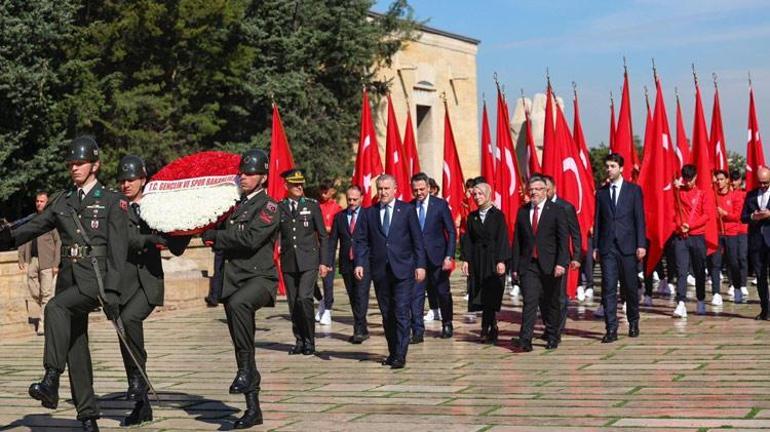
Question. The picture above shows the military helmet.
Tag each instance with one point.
(131, 167)
(83, 148)
(254, 162)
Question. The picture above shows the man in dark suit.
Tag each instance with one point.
(303, 257)
(92, 223)
(250, 281)
(343, 229)
(439, 239)
(389, 242)
(142, 283)
(575, 245)
(756, 213)
(620, 243)
(540, 258)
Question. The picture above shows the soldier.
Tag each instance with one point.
(246, 241)
(92, 223)
(303, 257)
(142, 283)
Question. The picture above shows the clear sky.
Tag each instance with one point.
(585, 41)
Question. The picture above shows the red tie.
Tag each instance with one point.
(352, 227)
(534, 230)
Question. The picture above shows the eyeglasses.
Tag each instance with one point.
(764, 182)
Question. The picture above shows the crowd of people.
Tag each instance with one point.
(102, 255)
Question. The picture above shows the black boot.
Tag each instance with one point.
(298, 347)
(309, 346)
(244, 379)
(47, 390)
(484, 334)
(137, 387)
(142, 412)
(253, 414)
(90, 425)
(493, 332)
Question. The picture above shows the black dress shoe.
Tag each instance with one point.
(141, 413)
(309, 348)
(493, 334)
(523, 345)
(47, 390)
(633, 329)
(357, 339)
(298, 347)
(761, 317)
(398, 364)
(387, 361)
(552, 344)
(417, 339)
(210, 302)
(90, 425)
(253, 414)
(447, 331)
(610, 337)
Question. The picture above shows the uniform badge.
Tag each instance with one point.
(95, 224)
(306, 224)
(124, 205)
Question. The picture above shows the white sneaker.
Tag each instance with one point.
(647, 301)
(625, 308)
(515, 292)
(745, 292)
(753, 281)
(690, 280)
(320, 312)
(429, 315)
(326, 318)
(599, 312)
(467, 297)
(437, 315)
(681, 310)
(581, 293)
(716, 300)
(590, 295)
(655, 277)
(731, 291)
(671, 288)
(640, 275)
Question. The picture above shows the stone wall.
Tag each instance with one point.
(187, 283)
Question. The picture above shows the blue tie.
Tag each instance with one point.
(386, 220)
(421, 214)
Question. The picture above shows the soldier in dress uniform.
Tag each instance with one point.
(142, 283)
(303, 257)
(92, 222)
(246, 240)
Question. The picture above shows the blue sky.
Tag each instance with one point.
(585, 41)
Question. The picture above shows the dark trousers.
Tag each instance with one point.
(715, 262)
(743, 259)
(133, 314)
(299, 294)
(240, 309)
(563, 306)
(393, 297)
(690, 250)
(66, 345)
(217, 279)
(760, 259)
(730, 246)
(587, 267)
(328, 286)
(433, 297)
(617, 266)
(437, 279)
(358, 294)
(540, 289)
(648, 280)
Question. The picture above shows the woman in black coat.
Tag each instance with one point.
(485, 250)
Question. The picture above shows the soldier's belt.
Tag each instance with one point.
(83, 251)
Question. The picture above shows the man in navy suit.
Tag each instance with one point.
(439, 238)
(343, 227)
(388, 240)
(620, 242)
(756, 213)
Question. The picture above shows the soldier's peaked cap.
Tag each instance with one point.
(294, 176)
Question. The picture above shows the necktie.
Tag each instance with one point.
(386, 220)
(421, 214)
(135, 206)
(352, 227)
(534, 229)
(613, 196)
(294, 208)
(81, 195)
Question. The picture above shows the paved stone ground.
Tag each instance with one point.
(699, 374)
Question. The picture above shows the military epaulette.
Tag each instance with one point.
(57, 195)
(312, 200)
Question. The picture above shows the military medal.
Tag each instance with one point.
(306, 224)
(95, 224)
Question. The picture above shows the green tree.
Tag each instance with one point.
(736, 162)
(34, 84)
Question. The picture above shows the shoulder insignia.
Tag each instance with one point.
(265, 217)
(271, 206)
(98, 193)
(124, 205)
(69, 193)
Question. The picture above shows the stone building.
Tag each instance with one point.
(436, 64)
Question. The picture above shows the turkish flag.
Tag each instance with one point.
(368, 162)
(624, 135)
(648, 125)
(508, 181)
(755, 155)
(682, 149)
(533, 164)
(717, 152)
(487, 151)
(453, 183)
(395, 164)
(656, 180)
(585, 156)
(280, 161)
(410, 147)
(700, 148)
